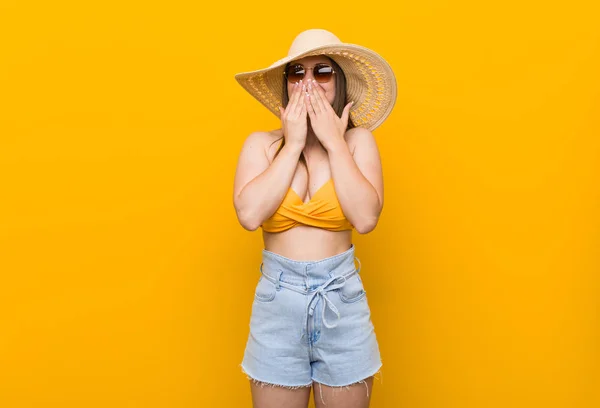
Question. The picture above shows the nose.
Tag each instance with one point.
(308, 75)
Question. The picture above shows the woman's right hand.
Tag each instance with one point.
(294, 118)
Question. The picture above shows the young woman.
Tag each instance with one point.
(308, 185)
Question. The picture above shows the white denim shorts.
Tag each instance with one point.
(310, 321)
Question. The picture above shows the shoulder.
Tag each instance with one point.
(358, 131)
(357, 136)
(264, 139)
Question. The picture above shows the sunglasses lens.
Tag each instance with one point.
(323, 73)
(295, 73)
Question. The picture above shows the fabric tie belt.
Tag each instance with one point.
(321, 291)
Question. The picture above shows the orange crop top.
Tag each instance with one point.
(322, 211)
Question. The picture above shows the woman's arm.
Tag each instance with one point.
(260, 187)
(358, 179)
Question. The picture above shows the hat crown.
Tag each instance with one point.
(310, 39)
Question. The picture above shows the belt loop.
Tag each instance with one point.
(277, 278)
(359, 265)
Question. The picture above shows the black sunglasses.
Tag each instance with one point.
(322, 72)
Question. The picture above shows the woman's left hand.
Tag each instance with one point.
(327, 125)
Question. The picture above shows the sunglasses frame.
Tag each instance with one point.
(306, 69)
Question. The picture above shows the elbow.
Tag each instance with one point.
(249, 226)
(366, 225)
(248, 219)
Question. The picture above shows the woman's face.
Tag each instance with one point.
(309, 63)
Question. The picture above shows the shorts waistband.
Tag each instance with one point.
(308, 274)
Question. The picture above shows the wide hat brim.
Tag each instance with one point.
(370, 82)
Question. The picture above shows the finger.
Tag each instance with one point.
(299, 94)
(346, 113)
(293, 97)
(300, 102)
(303, 112)
(316, 98)
(308, 106)
(324, 103)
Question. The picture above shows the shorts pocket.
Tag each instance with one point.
(353, 290)
(265, 290)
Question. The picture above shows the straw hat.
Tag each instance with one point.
(370, 81)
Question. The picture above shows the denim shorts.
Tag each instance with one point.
(310, 321)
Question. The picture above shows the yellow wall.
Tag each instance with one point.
(126, 280)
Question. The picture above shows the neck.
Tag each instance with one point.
(311, 139)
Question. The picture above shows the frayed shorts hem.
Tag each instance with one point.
(327, 383)
(276, 384)
(359, 379)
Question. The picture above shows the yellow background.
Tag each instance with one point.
(126, 280)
